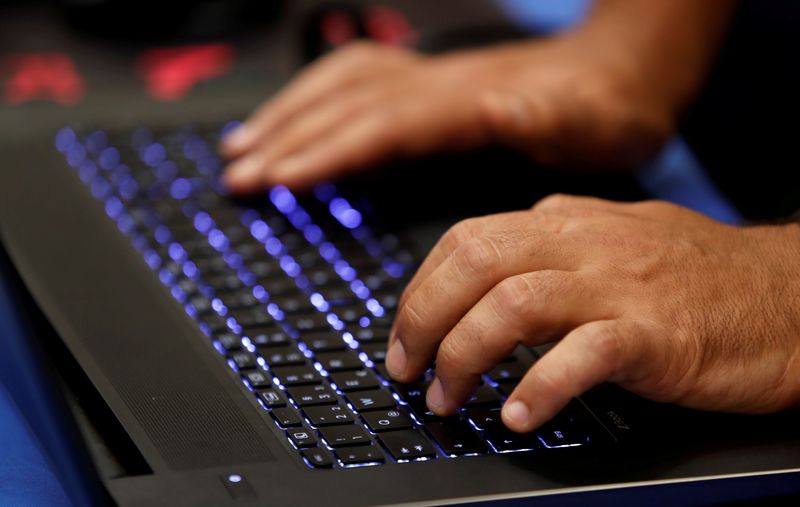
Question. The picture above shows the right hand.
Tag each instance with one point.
(574, 100)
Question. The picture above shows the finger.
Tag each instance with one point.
(455, 236)
(531, 308)
(335, 71)
(364, 142)
(531, 123)
(247, 173)
(461, 281)
(317, 123)
(593, 353)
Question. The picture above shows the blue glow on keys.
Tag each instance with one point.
(260, 230)
(203, 222)
(217, 240)
(283, 199)
(65, 138)
(344, 213)
(76, 154)
(96, 141)
(154, 154)
(109, 158)
(87, 171)
(180, 189)
(114, 207)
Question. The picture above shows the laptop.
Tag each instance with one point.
(172, 346)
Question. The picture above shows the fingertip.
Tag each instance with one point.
(244, 175)
(437, 401)
(237, 141)
(517, 416)
(397, 360)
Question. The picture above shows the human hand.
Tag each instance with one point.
(662, 301)
(574, 100)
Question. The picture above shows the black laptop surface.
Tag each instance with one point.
(195, 350)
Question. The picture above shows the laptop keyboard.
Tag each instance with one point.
(297, 295)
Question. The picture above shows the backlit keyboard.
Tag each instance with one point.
(297, 294)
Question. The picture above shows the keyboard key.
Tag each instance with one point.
(339, 361)
(229, 341)
(309, 322)
(283, 356)
(483, 417)
(294, 303)
(371, 335)
(407, 445)
(286, 417)
(216, 323)
(503, 439)
(243, 360)
(272, 398)
(376, 352)
(318, 457)
(319, 394)
(297, 375)
(484, 395)
(505, 372)
(302, 437)
(387, 420)
(360, 455)
(267, 336)
(343, 436)
(553, 435)
(506, 388)
(371, 400)
(456, 437)
(258, 379)
(421, 411)
(355, 380)
(324, 341)
(252, 317)
(328, 415)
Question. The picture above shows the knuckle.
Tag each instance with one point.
(410, 319)
(513, 296)
(554, 202)
(478, 255)
(460, 232)
(452, 356)
(605, 343)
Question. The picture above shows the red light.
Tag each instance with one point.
(338, 27)
(170, 73)
(389, 26)
(43, 76)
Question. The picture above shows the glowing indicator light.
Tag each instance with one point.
(100, 188)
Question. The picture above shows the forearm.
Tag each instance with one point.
(671, 42)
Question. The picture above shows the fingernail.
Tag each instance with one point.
(435, 396)
(237, 138)
(517, 413)
(396, 360)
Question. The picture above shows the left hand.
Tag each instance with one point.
(661, 300)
